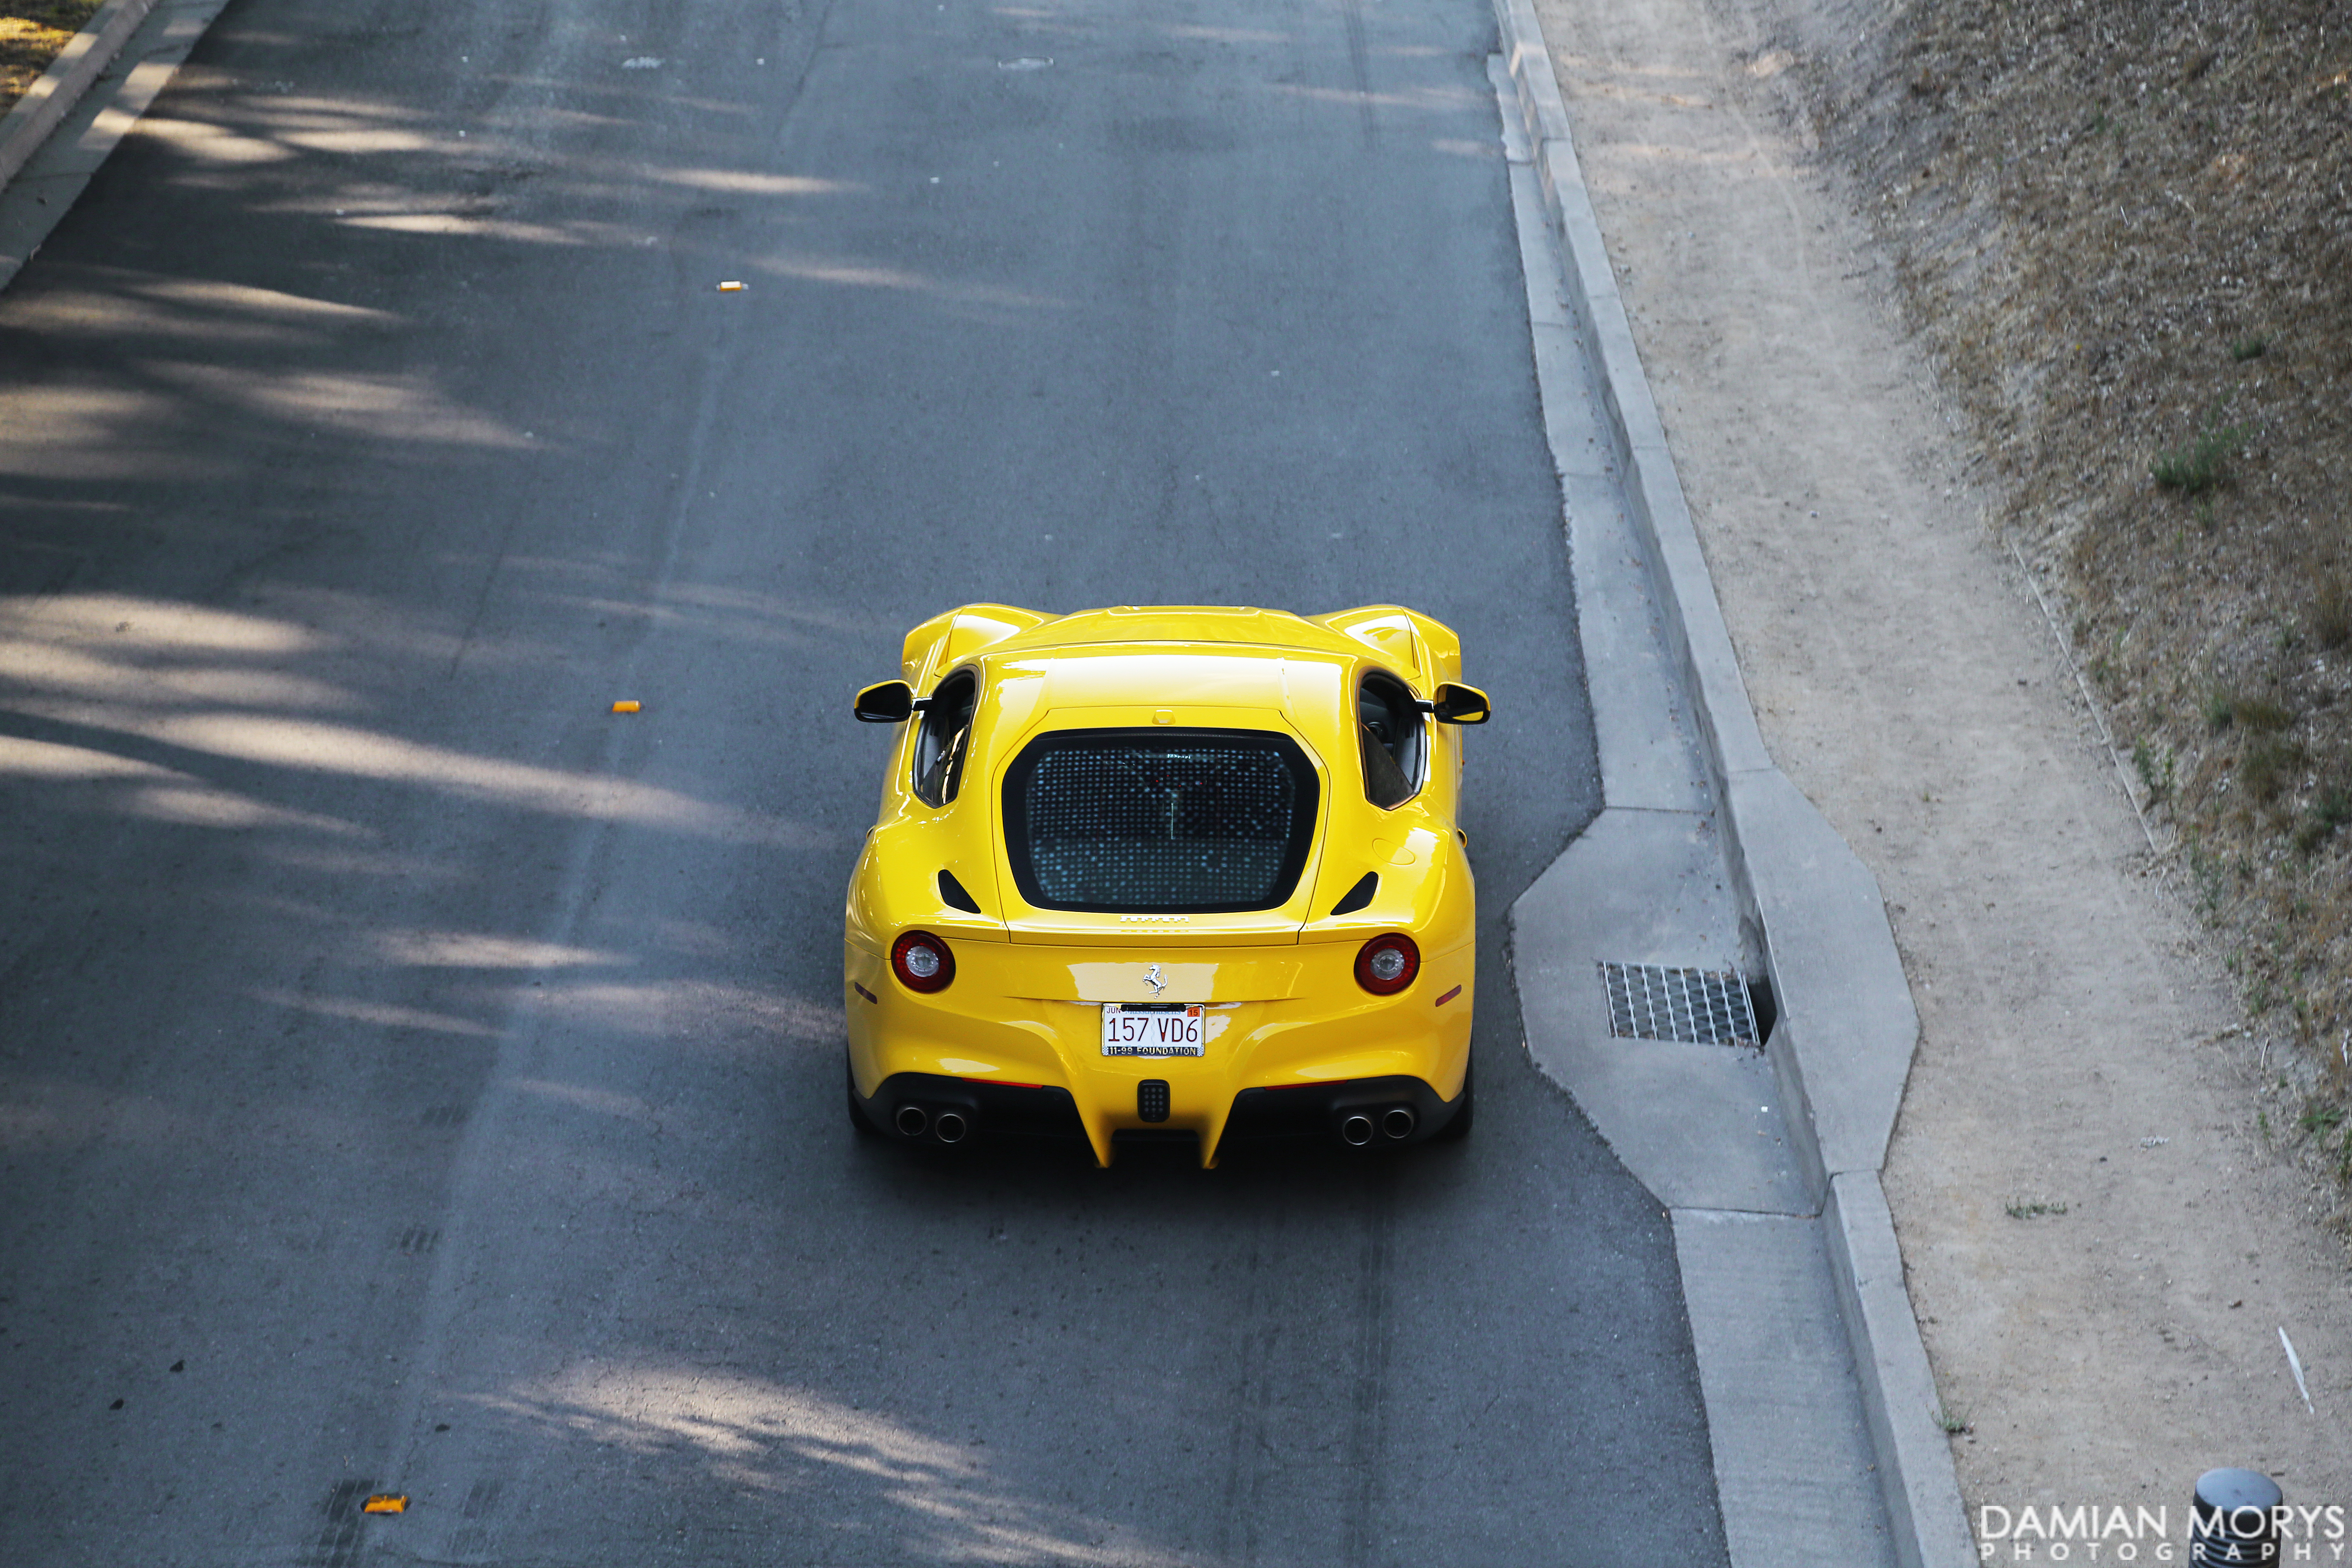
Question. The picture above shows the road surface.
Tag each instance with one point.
(415, 1078)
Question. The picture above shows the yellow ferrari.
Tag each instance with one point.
(1166, 872)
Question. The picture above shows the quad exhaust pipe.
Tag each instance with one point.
(913, 1120)
(949, 1127)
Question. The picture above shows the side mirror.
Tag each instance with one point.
(1461, 705)
(892, 702)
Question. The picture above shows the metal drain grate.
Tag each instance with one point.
(1696, 1006)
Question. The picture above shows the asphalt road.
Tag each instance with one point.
(415, 1077)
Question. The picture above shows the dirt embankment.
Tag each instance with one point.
(2106, 1253)
(2124, 229)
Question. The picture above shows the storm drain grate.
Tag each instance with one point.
(1696, 1006)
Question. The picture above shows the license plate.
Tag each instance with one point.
(1148, 1029)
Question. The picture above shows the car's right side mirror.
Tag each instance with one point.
(1460, 705)
(891, 702)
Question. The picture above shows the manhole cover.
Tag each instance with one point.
(1696, 1006)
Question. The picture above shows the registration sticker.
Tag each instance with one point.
(1152, 1030)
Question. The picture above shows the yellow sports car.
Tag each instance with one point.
(1166, 872)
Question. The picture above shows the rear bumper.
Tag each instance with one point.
(1314, 1031)
(1336, 1112)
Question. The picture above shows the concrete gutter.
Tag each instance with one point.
(1841, 1047)
(49, 101)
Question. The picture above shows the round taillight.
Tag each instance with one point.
(922, 962)
(1386, 964)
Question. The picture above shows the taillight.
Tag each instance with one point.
(922, 962)
(1386, 964)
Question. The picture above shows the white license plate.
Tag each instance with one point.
(1133, 1029)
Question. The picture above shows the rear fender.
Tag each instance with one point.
(953, 635)
(1405, 639)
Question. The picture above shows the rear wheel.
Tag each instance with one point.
(1458, 1129)
(864, 1128)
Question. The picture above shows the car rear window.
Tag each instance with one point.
(1159, 821)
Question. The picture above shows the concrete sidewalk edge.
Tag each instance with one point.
(1842, 1048)
(46, 104)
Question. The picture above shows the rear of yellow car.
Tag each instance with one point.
(1127, 887)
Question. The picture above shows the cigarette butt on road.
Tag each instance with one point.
(627, 707)
(730, 287)
(386, 1502)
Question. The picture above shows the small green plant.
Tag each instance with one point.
(2253, 347)
(2262, 1122)
(2331, 812)
(2261, 715)
(2221, 711)
(2320, 1117)
(2208, 876)
(2331, 609)
(2199, 464)
(2034, 1209)
(2155, 769)
(1952, 1423)
(2268, 767)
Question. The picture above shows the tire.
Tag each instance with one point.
(1458, 1129)
(857, 1121)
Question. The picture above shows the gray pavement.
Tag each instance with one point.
(416, 1078)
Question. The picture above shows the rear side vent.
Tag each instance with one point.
(1356, 897)
(1151, 1100)
(951, 894)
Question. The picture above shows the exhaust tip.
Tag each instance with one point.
(951, 1127)
(1357, 1129)
(912, 1120)
(1399, 1123)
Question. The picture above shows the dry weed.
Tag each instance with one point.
(31, 34)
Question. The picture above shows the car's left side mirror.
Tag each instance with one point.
(891, 702)
(1460, 705)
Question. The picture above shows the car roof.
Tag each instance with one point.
(1214, 668)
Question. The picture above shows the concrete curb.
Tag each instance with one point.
(1842, 1048)
(1899, 1390)
(49, 99)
